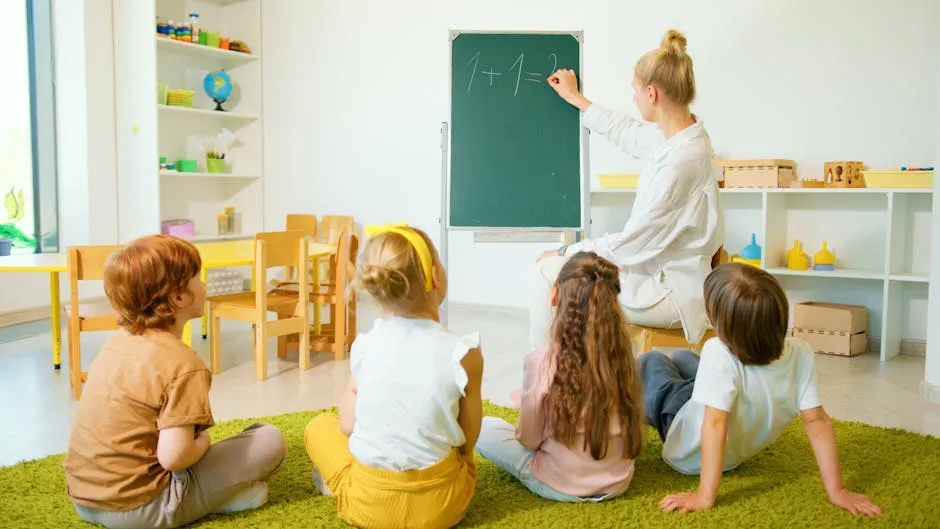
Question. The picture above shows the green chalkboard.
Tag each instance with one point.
(515, 146)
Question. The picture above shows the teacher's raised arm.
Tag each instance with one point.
(676, 225)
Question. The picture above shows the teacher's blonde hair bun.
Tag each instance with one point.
(669, 68)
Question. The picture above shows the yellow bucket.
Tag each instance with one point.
(618, 181)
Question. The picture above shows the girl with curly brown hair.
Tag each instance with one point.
(581, 416)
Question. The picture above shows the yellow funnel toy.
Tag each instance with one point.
(824, 259)
(796, 259)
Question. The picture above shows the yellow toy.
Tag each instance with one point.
(824, 259)
(796, 259)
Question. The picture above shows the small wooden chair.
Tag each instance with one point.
(335, 336)
(652, 337)
(274, 249)
(85, 263)
(332, 227)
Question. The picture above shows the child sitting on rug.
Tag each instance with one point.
(139, 455)
(400, 453)
(751, 382)
(581, 412)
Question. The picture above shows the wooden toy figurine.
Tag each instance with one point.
(796, 259)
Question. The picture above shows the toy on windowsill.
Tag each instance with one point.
(796, 259)
(750, 254)
(824, 259)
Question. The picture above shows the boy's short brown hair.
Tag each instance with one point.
(749, 311)
(142, 278)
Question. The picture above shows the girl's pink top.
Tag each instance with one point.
(568, 470)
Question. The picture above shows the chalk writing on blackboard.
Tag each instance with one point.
(517, 69)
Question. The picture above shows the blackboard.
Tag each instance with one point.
(515, 146)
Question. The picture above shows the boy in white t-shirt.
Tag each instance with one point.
(750, 384)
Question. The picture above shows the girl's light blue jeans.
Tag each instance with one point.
(497, 442)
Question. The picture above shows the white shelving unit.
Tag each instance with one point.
(148, 130)
(881, 239)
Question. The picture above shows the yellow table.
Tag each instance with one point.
(214, 255)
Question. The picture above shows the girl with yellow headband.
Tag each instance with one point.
(400, 451)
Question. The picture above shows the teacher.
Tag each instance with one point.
(665, 249)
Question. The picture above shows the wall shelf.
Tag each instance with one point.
(205, 113)
(171, 174)
(228, 57)
(841, 273)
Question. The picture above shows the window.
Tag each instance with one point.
(27, 128)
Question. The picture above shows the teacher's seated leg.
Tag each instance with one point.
(662, 315)
(540, 304)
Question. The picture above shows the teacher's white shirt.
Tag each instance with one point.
(676, 226)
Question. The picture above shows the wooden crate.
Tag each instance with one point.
(844, 174)
(758, 173)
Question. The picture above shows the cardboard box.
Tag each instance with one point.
(832, 328)
(838, 343)
(758, 173)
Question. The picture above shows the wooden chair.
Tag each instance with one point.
(85, 263)
(331, 229)
(274, 249)
(334, 336)
(652, 337)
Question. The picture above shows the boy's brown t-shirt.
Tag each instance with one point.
(136, 386)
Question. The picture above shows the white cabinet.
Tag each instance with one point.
(880, 237)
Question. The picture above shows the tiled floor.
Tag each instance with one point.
(36, 406)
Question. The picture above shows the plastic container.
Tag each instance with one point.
(618, 181)
(215, 165)
(194, 27)
(186, 166)
(898, 179)
(6, 246)
(162, 89)
(180, 98)
(213, 39)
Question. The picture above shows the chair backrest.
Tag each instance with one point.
(282, 249)
(340, 262)
(305, 223)
(720, 257)
(86, 263)
(333, 225)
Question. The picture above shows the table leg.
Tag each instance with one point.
(204, 277)
(188, 333)
(56, 305)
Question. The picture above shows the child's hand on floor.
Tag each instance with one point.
(855, 503)
(685, 502)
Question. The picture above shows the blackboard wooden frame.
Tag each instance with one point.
(584, 155)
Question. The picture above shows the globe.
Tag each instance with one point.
(218, 86)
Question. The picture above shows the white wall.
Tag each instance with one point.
(352, 122)
(932, 369)
(84, 141)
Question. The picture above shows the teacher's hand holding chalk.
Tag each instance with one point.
(565, 83)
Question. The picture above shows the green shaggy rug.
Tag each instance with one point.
(780, 488)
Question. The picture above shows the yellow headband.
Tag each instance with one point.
(416, 240)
